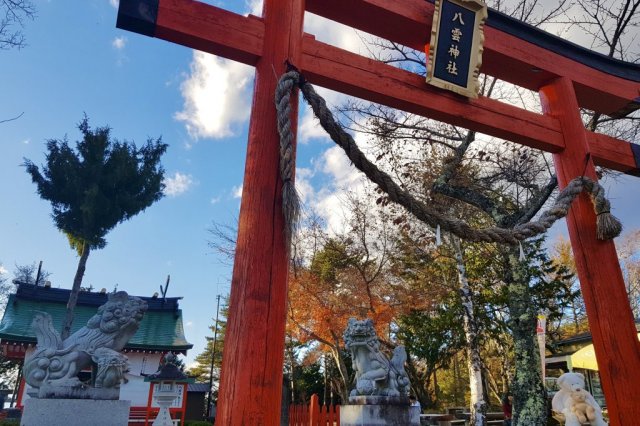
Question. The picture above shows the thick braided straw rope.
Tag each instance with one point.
(290, 199)
(608, 227)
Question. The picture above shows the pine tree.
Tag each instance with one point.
(202, 369)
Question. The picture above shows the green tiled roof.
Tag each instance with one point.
(159, 329)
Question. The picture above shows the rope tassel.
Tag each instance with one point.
(608, 226)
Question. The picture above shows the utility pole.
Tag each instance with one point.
(213, 358)
(38, 274)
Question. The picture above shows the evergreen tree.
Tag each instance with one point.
(202, 369)
(93, 188)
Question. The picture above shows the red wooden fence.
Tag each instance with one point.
(314, 414)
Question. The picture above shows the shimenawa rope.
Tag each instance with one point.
(608, 227)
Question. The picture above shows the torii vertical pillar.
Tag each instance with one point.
(608, 310)
(250, 392)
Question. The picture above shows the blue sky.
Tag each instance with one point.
(77, 62)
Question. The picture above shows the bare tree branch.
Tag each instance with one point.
(12, 119)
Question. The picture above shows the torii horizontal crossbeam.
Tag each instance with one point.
(220, 32)
(513, 51)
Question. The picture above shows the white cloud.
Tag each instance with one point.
(189, 324)
(334, 33)
(332, 179)
(216, 96)
(216, 200)
(217, 92)
(3, 270)
(303, 184)
(26, 141)
(338, 166)
(254, 6)
(178, 184)
(119, 42)
(343, 178)
(114, 3)
(237, 191)
(340, 36)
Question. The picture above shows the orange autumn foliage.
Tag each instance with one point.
(319, 309)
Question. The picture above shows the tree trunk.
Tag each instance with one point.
(73, 297)
(492, 385)
(421, 382)
(474, 364)
(344, 374)
(529, 396)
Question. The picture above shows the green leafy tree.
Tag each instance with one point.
(432, 338)
(310, 380)
(100, 184)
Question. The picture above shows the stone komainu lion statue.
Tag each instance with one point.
(375, 374)
(56, 363)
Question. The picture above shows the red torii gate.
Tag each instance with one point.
(566, 76)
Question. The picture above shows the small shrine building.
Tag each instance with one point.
(161, 331)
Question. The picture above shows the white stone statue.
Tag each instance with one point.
(375, 374)
(54, 366)
(576, 404)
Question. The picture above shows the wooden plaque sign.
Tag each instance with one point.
(455, 51)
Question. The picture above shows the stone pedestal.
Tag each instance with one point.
(74, 412)
(379, 411)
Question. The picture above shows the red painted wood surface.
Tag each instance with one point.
(251, 382)
(329, 415)
(505, 56)
(21, 389)
(299, 415)
(314, 410)
(612, 153)
(237, 37)
(251, 379)
(314, 414)
(610, 318)
(375, 81)
(211, 29)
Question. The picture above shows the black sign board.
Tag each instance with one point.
(455, 52)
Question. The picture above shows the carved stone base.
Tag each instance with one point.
(379, 400)
(379, 415)
(74, 412)
(72, 392)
